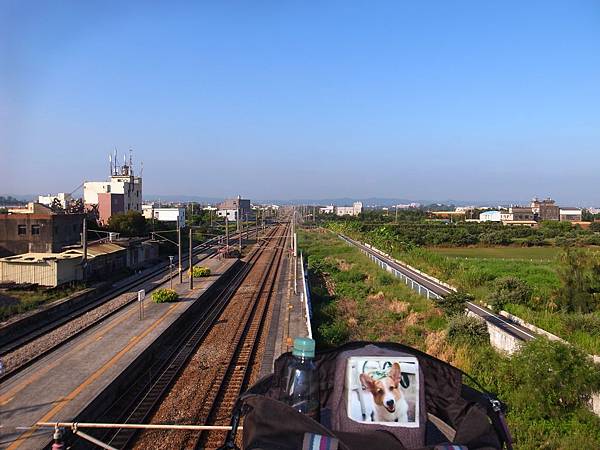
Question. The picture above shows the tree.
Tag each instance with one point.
(131, 223)
(577, 277)
(595, 226)
(455, 303)
(510, 290)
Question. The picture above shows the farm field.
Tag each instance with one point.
(548, 254)
(525, 253)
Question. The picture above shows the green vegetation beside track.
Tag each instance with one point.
(546, 385)
(555, 281)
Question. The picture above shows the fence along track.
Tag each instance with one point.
(234, 377)
(141, 399)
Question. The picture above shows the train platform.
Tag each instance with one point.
(60, 385)
(288, 316)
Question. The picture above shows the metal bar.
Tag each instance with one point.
(93, 440)
(138, 426)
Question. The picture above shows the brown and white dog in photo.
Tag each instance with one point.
(389, 404)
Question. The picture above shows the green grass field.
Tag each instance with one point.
(522, 253)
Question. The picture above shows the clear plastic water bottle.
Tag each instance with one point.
(302, 382)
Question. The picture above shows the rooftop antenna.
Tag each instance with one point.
(110, 163)
(116, 161)
(141, 169)
(130, 161)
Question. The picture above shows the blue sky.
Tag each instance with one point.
(421, 100)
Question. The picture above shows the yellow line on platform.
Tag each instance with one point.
(97, 374)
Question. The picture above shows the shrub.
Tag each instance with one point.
(164, 296)
(467, 329)
(455, 303)
(510, 290)
(549, 379)
(595, 226)
(198, 272)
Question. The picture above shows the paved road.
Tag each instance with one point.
(503, 323)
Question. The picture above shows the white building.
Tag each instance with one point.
(490, 216)
(327, 209)
(169, 215)
(63, 197)
(353, 210)
(569, 214)
(408, 206)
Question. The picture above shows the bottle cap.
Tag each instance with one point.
(304, 347)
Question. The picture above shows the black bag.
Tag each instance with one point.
(452, 412)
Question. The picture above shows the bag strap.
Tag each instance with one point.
(495, 410)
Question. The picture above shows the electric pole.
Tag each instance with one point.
(226, 234)
(240, 230)
(179, 247)
(191, 259)
(84, 248)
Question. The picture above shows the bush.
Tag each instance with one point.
(198, 272)
(549, 379)
(595, 226)
(164, 296)
(467, 329)
(455, 303)
(510, 290)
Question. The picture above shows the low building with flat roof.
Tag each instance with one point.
(570, 214)
(54, 269)
(490, 216)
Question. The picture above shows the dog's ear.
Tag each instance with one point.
(395, 373)
(367, 381)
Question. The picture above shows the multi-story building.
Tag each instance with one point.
(120, 194)
(570, 214)
(353, 210)
(37, 229)
(230, 208)
(327, 209)
(518, 215)
(545, 209)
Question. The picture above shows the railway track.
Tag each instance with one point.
(24, 351)
(236, 376)
(144, 396)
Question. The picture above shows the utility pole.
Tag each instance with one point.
(191, 259)
(240, 230)
(179, 248)
(226, 233)
(239, 199)
(396, 213)
(84, 248)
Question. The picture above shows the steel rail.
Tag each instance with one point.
(141, 399)
(236, 376)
